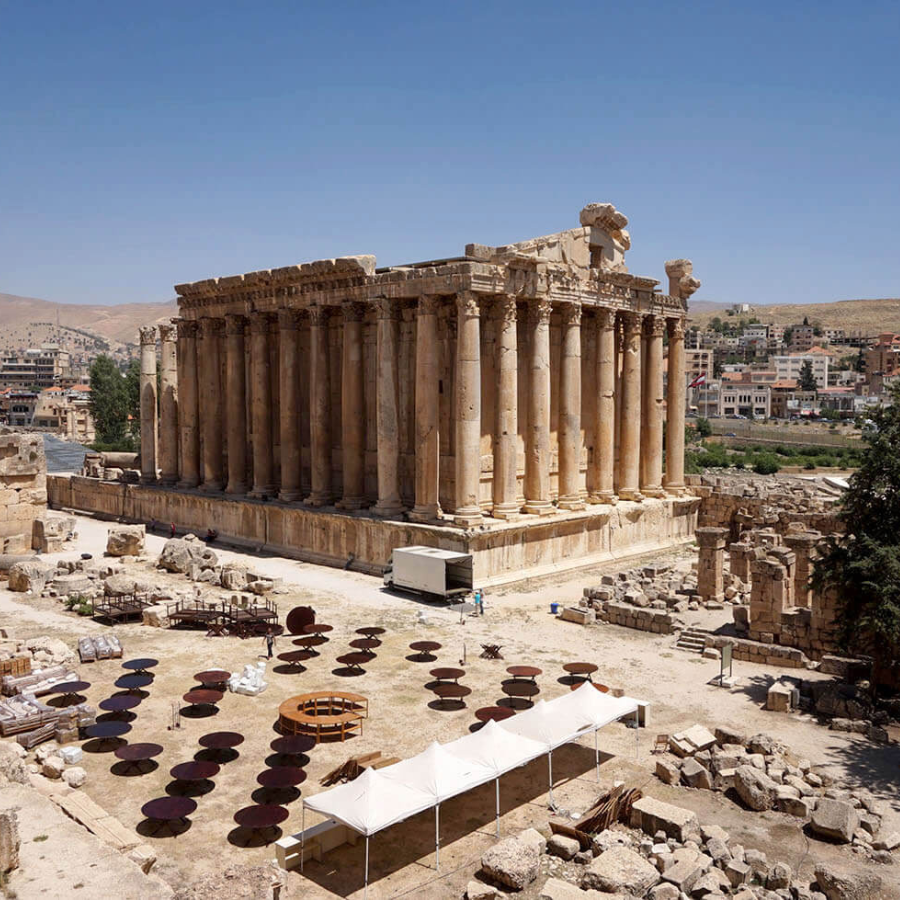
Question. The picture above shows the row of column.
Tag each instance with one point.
(212, 402)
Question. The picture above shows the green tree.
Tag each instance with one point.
(807, 380)
(860, 364)
(862, 564)
(109, 404)
(788, 334)
(704, 429)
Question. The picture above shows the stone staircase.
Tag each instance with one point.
(692, 640)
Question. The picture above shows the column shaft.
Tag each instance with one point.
(211, 403)
(168, 405)
(148, 405)
(618, 354)
(604, 425)
(675, 402)
(506, 489)
(630, 415)
(570, 440)
(428, 447)
(537, 450)
(236, 403)
(468, 411)
(188, 404)
(353, 411)
(319, 408)
(387, 409)
(261, 407)
(289, 403)
(652, 408)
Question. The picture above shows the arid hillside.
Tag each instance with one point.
(28, 321)
(866, 316)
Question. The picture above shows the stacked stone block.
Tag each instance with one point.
(711, 565)
(23, 489)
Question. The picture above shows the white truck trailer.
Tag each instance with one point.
(430, 572)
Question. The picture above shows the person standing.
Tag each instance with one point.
(270, 643)
(479, 602)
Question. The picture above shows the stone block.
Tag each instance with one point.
(126, 540)
(755, 788)
(836, 885)
(562, 846)
(9, 840)
(512, 862)
(652, 815)
(778, 698)
(835, 819)
(28, 576)
(620, 870)
(668, 771)
(695, 775)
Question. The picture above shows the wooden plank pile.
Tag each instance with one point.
(613, 806)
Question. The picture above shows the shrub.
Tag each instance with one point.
(766, 464)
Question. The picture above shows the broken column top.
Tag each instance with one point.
(710, 536)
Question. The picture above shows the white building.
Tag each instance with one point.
(788, 367)
(751, 400)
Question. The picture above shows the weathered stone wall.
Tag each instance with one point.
(505, 553)
(23, 489)
(757, 652)
(659, 621)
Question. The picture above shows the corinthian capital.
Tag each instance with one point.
(539, 312)
(210, 327)
(387, 308)
(168, 331)
(467, 304)
(148, 334)
(288, 319)
(676, 328)
(353, 312)
(654, 326)
(507, 309)
(235, 325)
(428, 305)
(571, 313)
(318, 316)
(187, 329)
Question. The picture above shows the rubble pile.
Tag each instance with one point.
(763, 774)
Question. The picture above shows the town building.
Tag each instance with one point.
(803, 338)
(883, 357)
(752, 401)
(34, 368)
(788, 367)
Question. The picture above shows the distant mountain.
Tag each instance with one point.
(866, 316)
(23, 315)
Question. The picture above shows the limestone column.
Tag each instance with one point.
(675, 403)
(604, 426)
(803, 544)
(468, 411)
(506, 490)
(652, 409)
(168, 406)
(387, 409)
(711, 564)
(537, 448)
(211, 403)
(570, 440)
(289, 402)
(619, 353)
(236, 404)
(630, 413)
(148, 405)
(353, 413)
(428, 445)
(261, 407)
(188, 407)
(319, 408)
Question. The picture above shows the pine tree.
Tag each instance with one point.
(807, 380)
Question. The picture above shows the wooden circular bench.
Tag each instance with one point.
(324, 714)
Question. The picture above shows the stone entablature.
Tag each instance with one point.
(514, 380)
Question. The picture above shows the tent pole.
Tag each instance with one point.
(597, 754)
(636, 734)
(437, 837)
(550, 767)
(302, 830)
(366, 888)
(497, 791)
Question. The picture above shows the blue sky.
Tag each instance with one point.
(147, 144)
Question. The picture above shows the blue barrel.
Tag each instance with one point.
(554, 608)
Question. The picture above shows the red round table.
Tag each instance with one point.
(445, 673)
(168, 809)
(294, 659)
(119, 703)
(194, 771)
(355, 661)
(370, 631)
(221, 740)
(449, 691)
(524, 671)
(261, 817)
(494, 713)
(309, 642)
(520, 690)
(425, 650)
(580, 670)
(365, 643)
(317, 629)
(212, 676)
(202, 697)
(135, 754)
(281, 777)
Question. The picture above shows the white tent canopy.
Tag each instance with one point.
(439, 773)
(596, 707)
(493, 747)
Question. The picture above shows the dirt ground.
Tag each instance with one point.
(403, 720)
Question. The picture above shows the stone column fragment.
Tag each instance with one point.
(319, 408)
(468, 411)
(387, 409)
(675, 403)
(188, 404)
(261, 407)
(236, 403)
(711, 564)
(289, 403)
(148, 405)
(803, 544)
(570, 440)
(603, 460)
(168, 405)
(506, 491)
(428, 448)
(537, 444)
(630, 412)
(652, 408)
(353, 412)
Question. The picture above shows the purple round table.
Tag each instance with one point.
(140, 666)
(168, 809)
(293, 744)
(119, 703)
(221, 740)
(261, 817)
(194, 771)
(281, 777)
(135, 754)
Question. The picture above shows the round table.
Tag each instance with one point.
(370, 631)
(425, 650)
(520, 690)
(309, 642)
(299, 617)
(168, 809)
(212, 676)
(135, 754)
(70, 690)
(133, 682)
(119, 703)
(355, 661)
(317, 629)
(202, 697)
(293, 744)
(494, 713)
(580, 670)
(445, 673)
(365, 643)
(450, 691)
(194, 771)
(107, 731)
(140, 666)
(261, 817)
(221, 740)
(295, 658)
(281, 777)
(524, 671)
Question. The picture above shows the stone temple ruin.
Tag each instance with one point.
(508, 403)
